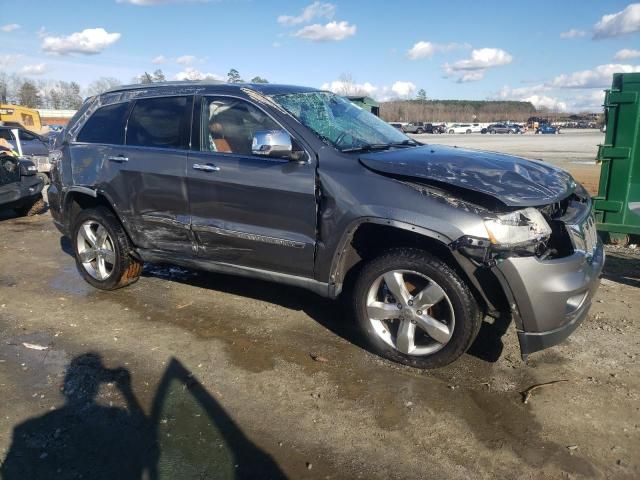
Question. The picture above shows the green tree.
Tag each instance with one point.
(421, 95)
(157, 76)
(234, 76)
(258, 79)
(28, 95)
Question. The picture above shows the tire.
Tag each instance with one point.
(419, 131)
(125, 269)
(468, 132)
(509, 132)
(44, 177)
(35, 206)
(451, 131)
(464, 313)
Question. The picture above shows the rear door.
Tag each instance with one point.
(249, 210)
(141, 167)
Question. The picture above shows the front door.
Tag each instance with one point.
(249, 210)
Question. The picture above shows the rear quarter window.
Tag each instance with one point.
(106, 125)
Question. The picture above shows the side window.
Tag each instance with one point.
(26, 136)
(228, 125)
(160, 122)
(106, 125)
(6, 134)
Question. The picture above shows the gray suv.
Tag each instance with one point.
(299, 186)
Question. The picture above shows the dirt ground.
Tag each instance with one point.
(196, 375)
(190, 375)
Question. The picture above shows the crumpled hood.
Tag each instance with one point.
(515, 181)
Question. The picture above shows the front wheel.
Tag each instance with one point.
(415, 309)
(451, 131)
(419, 131)
(103, 251)
(468, 132)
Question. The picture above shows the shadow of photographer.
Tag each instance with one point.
(187, 435)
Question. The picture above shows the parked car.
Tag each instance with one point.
(501, 128)
(20, 187)
(415, 127)
(545, 128)
(298, 186)
(460, 128)
(34, 148)
(436, 128)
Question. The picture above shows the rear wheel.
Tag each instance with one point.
(468, 132)
(420, 130)
(103, 251)
(414, 309)
(451, 131)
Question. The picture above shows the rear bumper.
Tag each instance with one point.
(549, 299)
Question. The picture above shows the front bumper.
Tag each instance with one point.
(550, 298)
(14, 194)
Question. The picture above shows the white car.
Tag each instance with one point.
(463, 128)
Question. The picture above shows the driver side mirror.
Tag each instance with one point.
(272, 143)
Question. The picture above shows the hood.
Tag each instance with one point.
(514, 181)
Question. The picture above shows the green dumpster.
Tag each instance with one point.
(617, 205)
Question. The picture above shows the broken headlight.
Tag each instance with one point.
(519, 228)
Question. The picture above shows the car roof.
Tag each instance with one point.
(214, 85)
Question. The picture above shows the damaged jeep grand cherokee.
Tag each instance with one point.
(301, 187)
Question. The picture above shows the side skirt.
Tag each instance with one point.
(155, 256)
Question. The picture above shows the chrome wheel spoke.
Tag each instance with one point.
(434, 328)
(395, 283)
(405, 340)
(88, 235)
(87, 255)
(109, 256)
(382, 311)
(101, 236)
(429, 296)
(101, 268)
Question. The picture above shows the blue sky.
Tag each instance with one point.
(558, 54)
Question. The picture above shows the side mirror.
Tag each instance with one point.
(272, 143)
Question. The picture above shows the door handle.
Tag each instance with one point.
(119, 159)
(209, 167)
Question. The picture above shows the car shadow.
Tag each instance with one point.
(186, 435)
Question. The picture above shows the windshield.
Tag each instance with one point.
(339, 122)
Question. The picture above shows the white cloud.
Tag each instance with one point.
(159, 60)
(193, 74)
(10, 27)
(598, 77)
(186, 60)
(473, 69)
(403, 89)
(332, 31)
(314, 10)
(8, 59)
(89, 41)
(545, 101)
(627, 54)
(348, 88)
(620, 23)
(399, 89)
(36, 69)
(424, 49)
(573, 33)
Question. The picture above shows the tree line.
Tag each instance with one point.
(421, 110)
(60, 95)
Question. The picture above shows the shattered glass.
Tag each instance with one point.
(337, 121)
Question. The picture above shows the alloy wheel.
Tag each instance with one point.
(95, 249)
(410, 312)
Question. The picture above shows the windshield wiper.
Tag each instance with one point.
(405, 143)
(368, 147)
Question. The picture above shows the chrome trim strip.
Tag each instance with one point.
(283, 242)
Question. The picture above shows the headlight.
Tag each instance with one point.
(518, 228)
